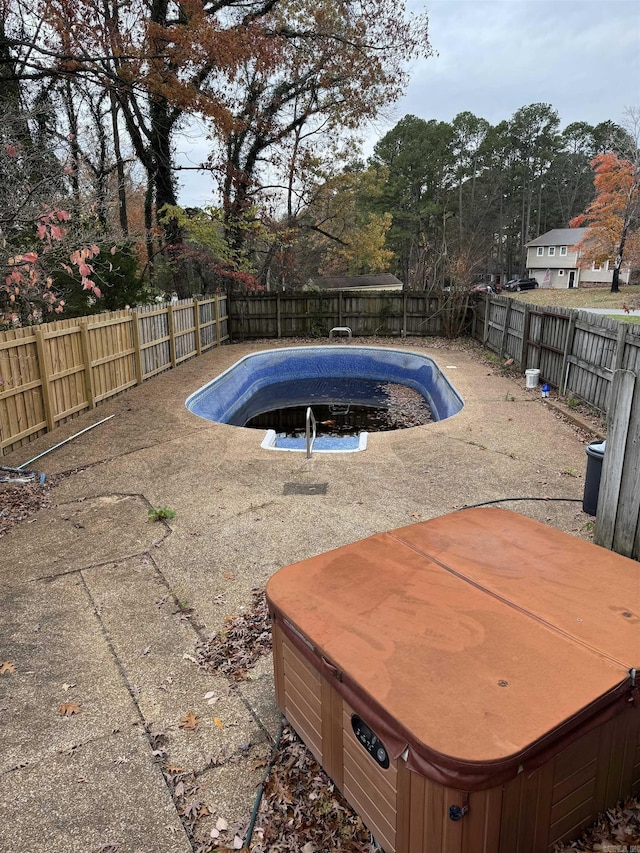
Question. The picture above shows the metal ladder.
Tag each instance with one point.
(310, 431)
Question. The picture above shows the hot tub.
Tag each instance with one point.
(467, 682)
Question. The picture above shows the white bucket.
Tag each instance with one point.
(532, 377)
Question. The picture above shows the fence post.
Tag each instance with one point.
(216, 313)
(137, 356)
(196, 323)
(172, 335)
(568, 350)
(620, 343)
(487, 311)
(86, 357)
(278, 316)
(525, 338)
(619, 498)
(404, 313)
(44, 378)
(507, 318)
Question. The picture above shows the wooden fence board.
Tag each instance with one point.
(618, 513)
(51, 372)
(576, 351)
(626, 524)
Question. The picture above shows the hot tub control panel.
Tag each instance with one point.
(370, 741)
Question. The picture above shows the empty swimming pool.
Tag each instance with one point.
(337, 376)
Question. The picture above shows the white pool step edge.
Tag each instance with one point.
(270, 443)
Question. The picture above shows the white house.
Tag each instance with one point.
(553, 260)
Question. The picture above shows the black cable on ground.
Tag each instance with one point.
(256, 805)
(506, 500)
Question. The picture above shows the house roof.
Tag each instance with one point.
(560, 237)
(357, 281)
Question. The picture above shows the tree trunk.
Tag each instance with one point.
(148, 224)
(122, 192)
(164, 186)
(615, 281)
(76, 156)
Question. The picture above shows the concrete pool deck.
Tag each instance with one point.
(103, 608)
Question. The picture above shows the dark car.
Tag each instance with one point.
(517, 284)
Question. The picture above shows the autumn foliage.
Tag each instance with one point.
(612, 216)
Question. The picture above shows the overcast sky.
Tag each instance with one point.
(495, 56)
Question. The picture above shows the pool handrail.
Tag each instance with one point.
(309, 426)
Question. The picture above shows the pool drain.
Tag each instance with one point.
(305, 489)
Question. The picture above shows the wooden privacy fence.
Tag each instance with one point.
(618, 513)
(281, 314)
(577, 352)
(50, 373)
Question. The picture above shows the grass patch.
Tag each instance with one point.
(624, 318)
(589, 297)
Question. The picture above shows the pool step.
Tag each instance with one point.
(322, 443)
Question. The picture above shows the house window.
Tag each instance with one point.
(540, 251)
(552, 251)
(596, 267)
(560, 272)
(563, 250)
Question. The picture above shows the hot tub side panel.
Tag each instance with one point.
(409, 813)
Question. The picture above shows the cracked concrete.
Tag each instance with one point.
(102, 607)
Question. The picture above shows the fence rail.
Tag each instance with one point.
(52, 372)
(577, 352)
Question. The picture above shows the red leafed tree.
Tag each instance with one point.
(612, 216)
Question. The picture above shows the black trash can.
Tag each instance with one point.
(595, 455)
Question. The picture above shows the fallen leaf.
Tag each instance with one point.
(228, 576)
(209, 695)
(244, 639)
(66, 686)
(67, 709)
(190, 721)
(222, 825)
(7, 667)
(218, 722)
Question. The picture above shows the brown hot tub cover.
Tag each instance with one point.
(476, 644)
